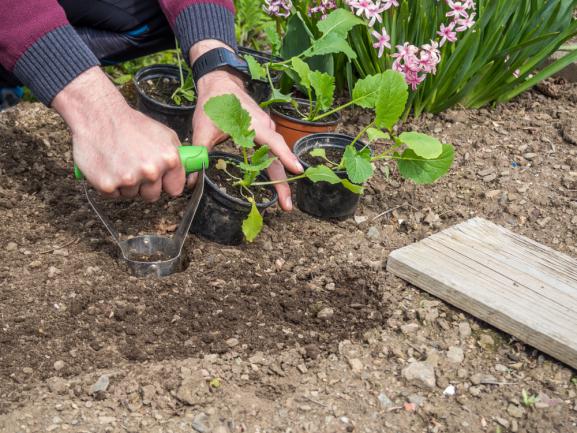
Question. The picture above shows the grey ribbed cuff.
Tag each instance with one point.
(204, 21)
(53, 61)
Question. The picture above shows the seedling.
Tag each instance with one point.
(185, 91)
(318, 86)
(529, 400)
(419, 157)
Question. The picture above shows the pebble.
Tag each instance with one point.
(57, 385)
(326, 313)
(59, 365)
(27, 370)
(101, 385)
(356, 365)
(409, 328)
(529, 156)
(502, 422)
(232, 342)
(35, 264)
(449, 391)
(515, 411)
(464, 330)
(373, 233)
(486, 341)
(475, 391)
(359, 219)
(490, 178)
(199, 423)
(416, 399)
(11, 246)
(480, 378)
(385, 401)
(422, 373)
(53, 271)
(455, 355)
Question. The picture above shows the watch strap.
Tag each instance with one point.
(219, 58)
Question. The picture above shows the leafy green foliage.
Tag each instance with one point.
(391, 100)
(319, 152)
(251, 23)
(421, 170)
(252, 225)
(229, 116)
(324, 87)
(366, 91)
(358, 164)
(339, 22)
(322, 173)
(256, 70)
(331, 44)
(480, 68)
(357, 189)
(422, 144)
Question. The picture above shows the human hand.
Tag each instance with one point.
(205, 133)
(120, 151)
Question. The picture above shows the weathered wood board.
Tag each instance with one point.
(517, 285)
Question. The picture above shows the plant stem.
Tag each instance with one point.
(276, 182)
(334, 110)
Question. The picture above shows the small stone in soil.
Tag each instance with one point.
(232, 342)
(11, 246)
(326, 313)
(455, 355)
(101, 385)
(59, 365)
(422, 373)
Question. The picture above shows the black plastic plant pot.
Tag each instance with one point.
(260, 90)
(322, 199)
(178, 118)
(219, 215)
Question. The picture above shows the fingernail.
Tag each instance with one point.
(299, 166)
(288, 203)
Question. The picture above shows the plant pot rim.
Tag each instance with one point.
(252, 51)
(303, 102)
(160, 69)
(214, 187)
(326, 136)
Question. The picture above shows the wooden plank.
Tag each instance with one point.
(514, 283)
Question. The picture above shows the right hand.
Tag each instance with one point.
(120, 151)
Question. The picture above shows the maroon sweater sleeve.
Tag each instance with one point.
(197, 20)
(40, 47)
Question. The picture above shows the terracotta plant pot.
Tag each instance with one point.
(290, 125)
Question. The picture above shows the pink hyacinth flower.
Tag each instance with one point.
(383, 41)
(447, 33)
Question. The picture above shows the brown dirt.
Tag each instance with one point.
(333, 154)
(304, 328)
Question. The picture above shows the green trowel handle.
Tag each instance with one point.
(193, 158)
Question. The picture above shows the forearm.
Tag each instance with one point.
(89, 97)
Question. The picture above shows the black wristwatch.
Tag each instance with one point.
(220, 59)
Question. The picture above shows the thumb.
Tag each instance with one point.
(205, 133)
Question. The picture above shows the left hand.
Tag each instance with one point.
(205, 133)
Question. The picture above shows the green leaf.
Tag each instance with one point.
(421, 170)
(339, 22)
(256, 167)
(366, 91)
(392, 99)
(122, 79)
(324, 87)
(322, 173)
(257, 72)
(260, 154)
(319, 152)
(331, 44)
(229, 116)
(357, 189)
(422, 144)
(375, 134)
(252, 225)
(277, 97)
(358, 164)
(303, 71)
(297, 38)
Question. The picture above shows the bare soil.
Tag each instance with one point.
(162, 89)
(302, 330)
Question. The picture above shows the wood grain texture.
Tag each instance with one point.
(514, 283)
